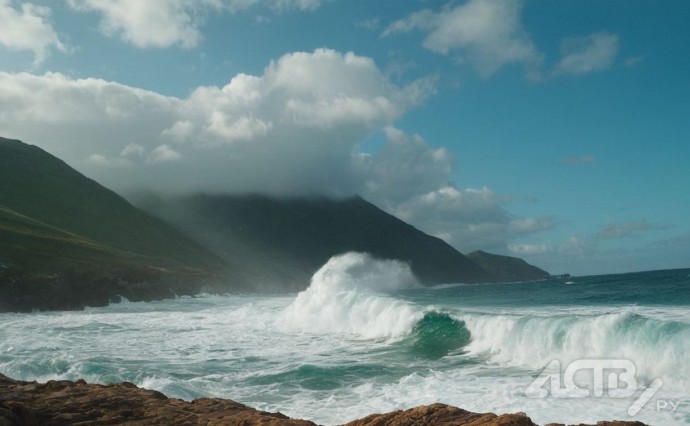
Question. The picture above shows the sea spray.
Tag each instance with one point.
(657, 348)
(350, 294)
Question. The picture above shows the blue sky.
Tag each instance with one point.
(557, 131)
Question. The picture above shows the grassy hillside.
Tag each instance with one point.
(30, 245)
(67, 242)
(53, 217)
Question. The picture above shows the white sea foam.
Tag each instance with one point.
(657, 348)
(349, 294)
(271, 352)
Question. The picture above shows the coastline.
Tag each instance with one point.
(67, 402)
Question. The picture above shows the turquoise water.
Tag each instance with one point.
(363, 338)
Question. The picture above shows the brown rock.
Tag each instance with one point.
(442, 415)
(78, 403)
(71, 403)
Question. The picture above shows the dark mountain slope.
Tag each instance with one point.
(506, 268)
(55, 222)
(285, 241)
(42, 187)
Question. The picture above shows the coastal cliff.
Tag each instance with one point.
(68, 403)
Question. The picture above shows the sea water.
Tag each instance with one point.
(365, 338)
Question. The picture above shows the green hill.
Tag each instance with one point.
(506, 268)
(280, 243)
(56, 222)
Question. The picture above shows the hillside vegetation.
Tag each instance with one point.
(41, 194)
(58, 226)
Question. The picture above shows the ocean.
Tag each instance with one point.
(364, 338)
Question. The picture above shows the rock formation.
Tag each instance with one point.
(78, 403)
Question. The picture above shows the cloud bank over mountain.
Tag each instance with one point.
(296, 129)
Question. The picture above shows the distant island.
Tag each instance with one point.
(67, 242)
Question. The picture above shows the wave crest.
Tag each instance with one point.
(657, 348)
(438, 334)
(349, 294)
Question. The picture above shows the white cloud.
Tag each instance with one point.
(412, 180)
(295, 129)
(28, 28)
(149, 23)
(291, 129)
(528, 249)
(405, 167)
(582, 55)
(421, 20)
(164, 154)
(160, 24)
(468, 219)
(486, 33)
(231, 129)
(180, 131)
(132, 150)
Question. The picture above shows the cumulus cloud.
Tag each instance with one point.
(295, 129)
(413, 180)
(582, 55)
(469, 218)
(163, 154)
(406, 166)
(149, 23)
(488, 34)
(28, 29)
(291, 129)
(160, 24)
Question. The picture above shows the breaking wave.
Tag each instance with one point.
(351, 294)
(658, 348)
(436, 335)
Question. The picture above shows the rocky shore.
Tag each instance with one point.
(78, 403)
(77, 290)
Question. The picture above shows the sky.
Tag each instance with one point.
(556, 131)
